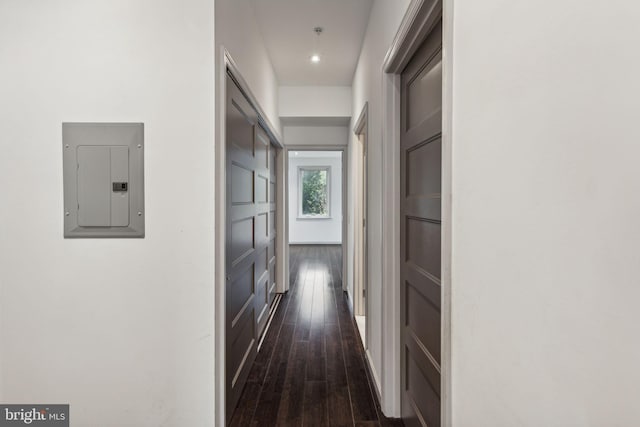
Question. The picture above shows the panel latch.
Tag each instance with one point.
(120, 186)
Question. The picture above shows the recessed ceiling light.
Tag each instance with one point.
(315, 57)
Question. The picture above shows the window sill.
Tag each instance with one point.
(307, 218)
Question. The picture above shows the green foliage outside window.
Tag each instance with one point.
(314, 193)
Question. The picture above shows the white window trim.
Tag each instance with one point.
(301, 170)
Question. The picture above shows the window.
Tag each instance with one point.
(313, 192)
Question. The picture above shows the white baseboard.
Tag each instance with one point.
(374, 374)
(315, 243)
(349, 302)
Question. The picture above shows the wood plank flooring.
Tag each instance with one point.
(311, 370)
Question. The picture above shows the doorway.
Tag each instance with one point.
(316, 202)
(315, 194)
(360, 208)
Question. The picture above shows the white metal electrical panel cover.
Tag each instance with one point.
(103, 179)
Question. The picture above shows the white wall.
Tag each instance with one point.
(121, 329)
(316, 231)
(315, 101)
(315, 135)
(238, 31)
(546, 208)
(367, 87)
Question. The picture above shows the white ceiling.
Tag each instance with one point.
(287, 28)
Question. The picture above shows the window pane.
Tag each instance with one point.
(314, 193)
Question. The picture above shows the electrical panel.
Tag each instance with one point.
(103, 179)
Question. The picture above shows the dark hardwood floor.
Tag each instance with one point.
(311, 370)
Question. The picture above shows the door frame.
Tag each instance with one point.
(361, 129)
(285, 155)
(228, 65)
(416, 25)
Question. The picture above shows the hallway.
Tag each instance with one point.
(311, 368)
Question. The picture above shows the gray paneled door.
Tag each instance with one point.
(421, 164)
(250, 241)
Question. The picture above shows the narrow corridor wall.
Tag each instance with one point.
(238, 32)
(121, 329)
(315, 135)
(314, 101)
(384, 22)
(546, 208)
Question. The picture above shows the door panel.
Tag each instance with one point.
(423, 320)
(262, 189)
(262, 149)
(241, 181)
(241, 294)
(423, 245)
(250, 258)
(421, 169)
(241, 239)
(424, 168)
(262, 228)
(423, 398)
(243, 345)
(429, 80)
